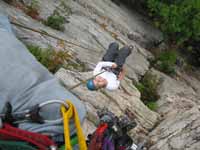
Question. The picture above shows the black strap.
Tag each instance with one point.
(8, 118)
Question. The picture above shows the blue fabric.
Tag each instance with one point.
(25, 82)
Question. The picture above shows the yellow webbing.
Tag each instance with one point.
(68, 114)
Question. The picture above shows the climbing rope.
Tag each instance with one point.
(15, 134)
(61, 39)
(71, 113)
(42, 32)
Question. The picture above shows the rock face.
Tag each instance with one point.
(179, 105)
(123, 101)
(96, 23)
(93, 24)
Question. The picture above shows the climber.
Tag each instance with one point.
(112, 65)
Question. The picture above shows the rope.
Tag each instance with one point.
(71, 113)
(11, 133)
(61, 39)
(52, 36)
(83, 81)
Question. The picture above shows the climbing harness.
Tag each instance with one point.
(71, 113)
(32, 115)
(105, 69)
(42, 142)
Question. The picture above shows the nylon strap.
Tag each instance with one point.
(71, 113)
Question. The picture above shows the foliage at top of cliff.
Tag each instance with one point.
(180, 21)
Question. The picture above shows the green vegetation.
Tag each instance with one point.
(179, 19)
(148, 89)
(166, 62)
(54, 60)
(180, 22)
(49, 57)
(152, 105)
(55, 21)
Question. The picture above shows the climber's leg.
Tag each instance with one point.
(112, 52)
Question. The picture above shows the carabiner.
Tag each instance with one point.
(60, 120)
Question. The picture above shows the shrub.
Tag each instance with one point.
(54, 60)
(166, 62)
(180, 22)
(49, 57)
(55, 21)
(148, 89)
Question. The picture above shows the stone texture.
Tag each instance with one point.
(96, 23)
(92, 24)
(123, 101)
(180, 110)
(178, 131)
(174, 93)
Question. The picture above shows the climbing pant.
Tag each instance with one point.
(114, 54)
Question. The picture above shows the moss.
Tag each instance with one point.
(55, 21)
(152, 105)
(148, 88)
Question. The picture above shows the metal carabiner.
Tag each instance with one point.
(51, 102)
